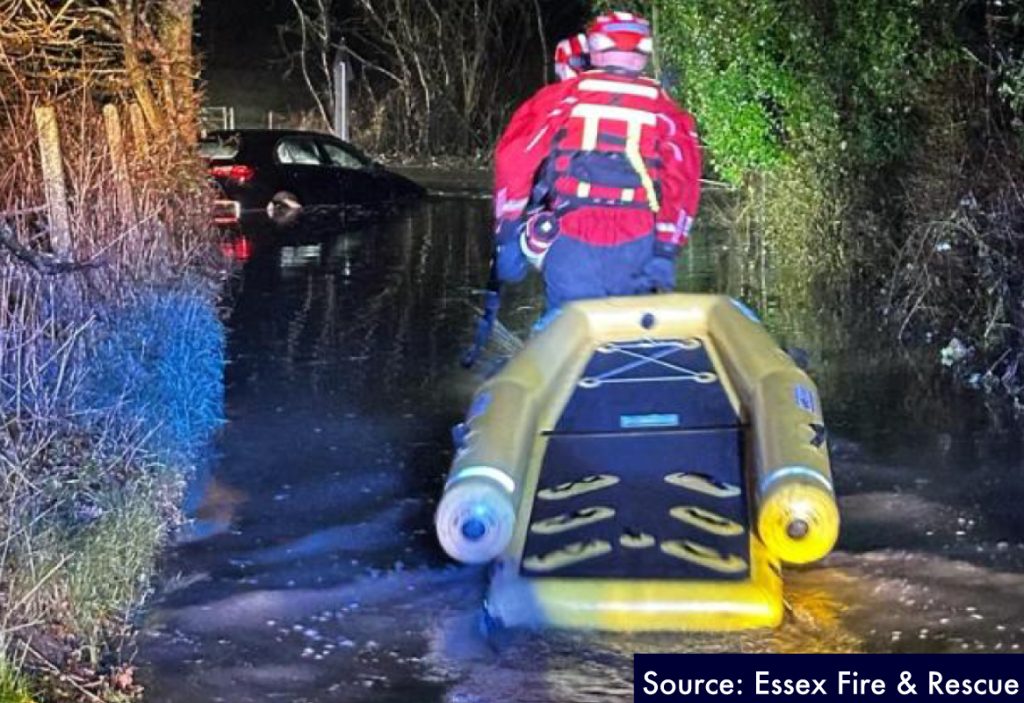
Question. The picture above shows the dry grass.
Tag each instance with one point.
(956, 281)
(86, 496)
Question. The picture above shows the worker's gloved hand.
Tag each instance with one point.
(659, 273)
(510, 264)
(539, 234)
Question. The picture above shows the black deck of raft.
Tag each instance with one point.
(641, 431)
(640, 380)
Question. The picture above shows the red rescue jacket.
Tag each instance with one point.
(614, 155)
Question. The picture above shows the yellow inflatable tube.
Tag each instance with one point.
(475, 518)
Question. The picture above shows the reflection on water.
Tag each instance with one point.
(311, 572)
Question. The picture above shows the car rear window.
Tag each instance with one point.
(220, 147)
(297, 151)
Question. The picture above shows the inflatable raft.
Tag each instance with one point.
(644, 463)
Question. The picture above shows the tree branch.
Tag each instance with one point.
(41, 264)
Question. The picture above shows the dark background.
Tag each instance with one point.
(245, 64)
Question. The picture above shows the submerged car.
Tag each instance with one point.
(282, 172)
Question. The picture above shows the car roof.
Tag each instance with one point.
(268, 134)
(256, 143)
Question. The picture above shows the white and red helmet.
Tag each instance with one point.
(571, 57)
(620, 31)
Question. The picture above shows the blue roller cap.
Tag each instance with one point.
(473, 529)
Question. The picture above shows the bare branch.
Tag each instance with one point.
(41, 264)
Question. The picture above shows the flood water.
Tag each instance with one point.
(311, 572)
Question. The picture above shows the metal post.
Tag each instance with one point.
(342, 75)
(53, 180)
(344, 100)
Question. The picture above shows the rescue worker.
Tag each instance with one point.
(572, 57)
(610, 168)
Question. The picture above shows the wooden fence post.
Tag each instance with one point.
(122, 182)
(53, 180)
(138, 122)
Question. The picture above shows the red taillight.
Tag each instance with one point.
(239, 173)
(239, 248)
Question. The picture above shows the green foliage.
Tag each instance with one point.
(12, 688)
(112, 560)
(1012, 87)
(90, 564)
(772, 82)
(1007, 55)
(742, 97)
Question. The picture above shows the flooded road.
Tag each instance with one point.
(312, 574)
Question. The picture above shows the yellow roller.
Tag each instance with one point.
(797, 515)
(476, 516)
(547, 499)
